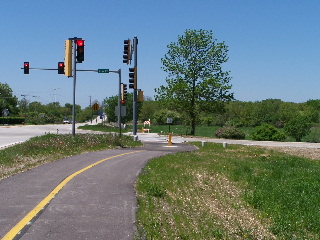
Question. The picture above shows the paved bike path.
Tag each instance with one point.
(98, 203)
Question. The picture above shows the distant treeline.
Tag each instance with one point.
(271, 111)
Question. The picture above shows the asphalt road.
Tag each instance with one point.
(15, 134)
(89, 196)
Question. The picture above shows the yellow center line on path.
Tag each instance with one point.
(34, 212)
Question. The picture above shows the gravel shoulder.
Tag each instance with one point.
(311, 153)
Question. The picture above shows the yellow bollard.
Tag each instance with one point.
(170, 139)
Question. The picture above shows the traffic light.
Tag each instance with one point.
(68, 59)
(124, 93)
(60, 67)
(80, 50)
(127, 52)
(140, 96)
(133, 78)
(26, 67)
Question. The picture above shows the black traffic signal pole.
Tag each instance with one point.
(119, 103)
(127, 57)
(135, 91)
(74, 86)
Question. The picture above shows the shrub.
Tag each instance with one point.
(313, 136)
(12, 120)
(160, 117)
(298, 127)
(267, 132)
(230, 133)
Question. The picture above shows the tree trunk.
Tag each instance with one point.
(193, 126)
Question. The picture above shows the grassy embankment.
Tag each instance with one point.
(50, 147)
(239, 192)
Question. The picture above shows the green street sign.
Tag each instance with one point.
(103, 70)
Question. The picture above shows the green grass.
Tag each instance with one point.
(102, 128)
(201, 131)
(51, 147)
(239, 192)
(204, 131)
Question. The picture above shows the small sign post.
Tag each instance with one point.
(169, 121)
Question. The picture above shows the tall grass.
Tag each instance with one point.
(239, 192)
(52, 147)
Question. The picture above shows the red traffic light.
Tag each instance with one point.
(60, 67)
(80, 50)
(123, 102)
(80, 43)
(26, 67)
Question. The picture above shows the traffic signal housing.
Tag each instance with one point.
(140, 96)
(133, 78)
(26, 67)
(80, 51)
(60, 67)
(127, 53)
(124, 93)
(68, 59)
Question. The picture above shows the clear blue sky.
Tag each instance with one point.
(274, 45)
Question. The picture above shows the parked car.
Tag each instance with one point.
(66, 121)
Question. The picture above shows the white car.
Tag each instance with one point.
(66, 121)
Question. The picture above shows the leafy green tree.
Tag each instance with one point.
(268, 111)
(110, 104)
(161, 116)
(313, 109)
(148, 109)
(196, 81)
(85, 115)
(287, 111)
(7, 99)
(298, 127)
(36, 107)
(240, 113)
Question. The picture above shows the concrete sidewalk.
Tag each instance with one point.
(154, 137)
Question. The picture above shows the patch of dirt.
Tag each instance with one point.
(312, 153)
(223, 199)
